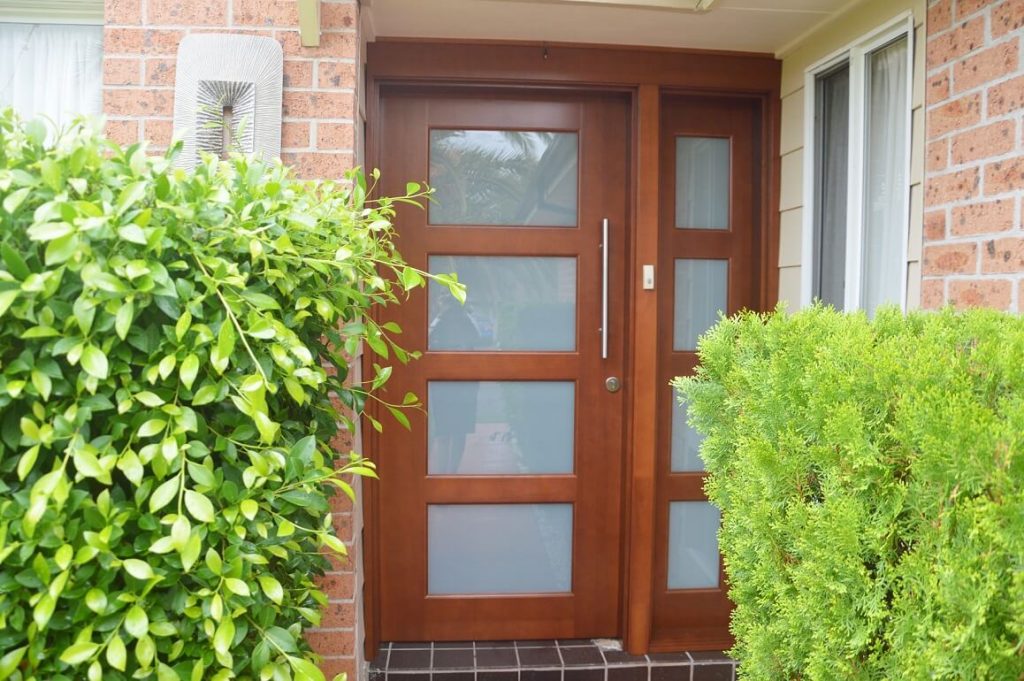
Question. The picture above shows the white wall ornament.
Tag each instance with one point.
(222, 71)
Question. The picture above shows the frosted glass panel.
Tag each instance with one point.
(503, 177)
(692, 545)
(685, 441)
(702, 182)
(500, 427)
(701, 292)
(499, 548)
(513, 303)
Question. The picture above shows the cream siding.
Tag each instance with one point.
(838, 33)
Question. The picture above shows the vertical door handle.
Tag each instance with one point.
(605, 247)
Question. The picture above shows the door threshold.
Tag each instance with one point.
(562, 660)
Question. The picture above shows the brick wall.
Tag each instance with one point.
(973, 238)
(318, 138)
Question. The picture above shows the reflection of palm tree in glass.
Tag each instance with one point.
(488, 177)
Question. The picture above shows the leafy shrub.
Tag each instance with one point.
(871, 478)
(168, 346)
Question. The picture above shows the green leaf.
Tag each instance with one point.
(304, 670)
(237, 586)
(7, 299)
(272, 588)
(15, 264)
(221, 354)
(48, 231)
(94, 361)
(78, 653)
(60, 250)
(15, 199)
(123, 319)
(136, 622)
(163, 494)
(96, 601)
(152, 427)
(199, 506)
(138, 569)
(189, 370)
(131, 195)
(117, 653)
(224, 636)
(249, 508)
(133, 233)
(11, 661)
(149, 399)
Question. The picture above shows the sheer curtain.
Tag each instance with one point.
(831, 179)
(52, 70)
(885, 176)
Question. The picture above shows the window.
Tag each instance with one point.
(857, 198)
(51, 58)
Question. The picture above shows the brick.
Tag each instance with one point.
(331, 643)
(318, 104)
(122, 71)
(338, 16)
(940, 16)
(332, 74)
(122, 40)
(188, 12)
(1003, 256)
(298, 73)
(1006, 17)
(338, 585)
(950, 187)
(1006, 97)
(938, 87)
(983, 218)
(938, 155)
(933, 295)
(950, 259)
(935, 225)
(332, 45)
(342, 524)
(159, 132)
(335, 135)
(985, 142)
(138, 102)
(122, 132)
(1004, 176)
(956, 43)
(332, 666)
(337, 615)
(965, 8)
(994, 293)
(160, 71)
(125, 12)
(986, 66)
(268, 13)
(955, 115)
(295, 135)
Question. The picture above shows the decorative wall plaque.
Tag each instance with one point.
(227, 93)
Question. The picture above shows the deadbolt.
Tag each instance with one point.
(612, 384)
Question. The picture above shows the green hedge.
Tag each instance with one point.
(169, 346)
(871, 479)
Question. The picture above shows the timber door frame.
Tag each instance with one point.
(645, 74)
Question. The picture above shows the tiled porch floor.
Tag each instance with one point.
(575, 660)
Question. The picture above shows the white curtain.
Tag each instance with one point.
(51, 70)
(885, 176)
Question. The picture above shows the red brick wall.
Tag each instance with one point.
(140, 47)
(318, 138)
(973, 239)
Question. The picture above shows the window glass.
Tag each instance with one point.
(832, 132)
(702, 183)
(51, 70)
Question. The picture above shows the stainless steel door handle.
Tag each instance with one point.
(605, 247)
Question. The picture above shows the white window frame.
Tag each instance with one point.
(87, 12)
(855, 54)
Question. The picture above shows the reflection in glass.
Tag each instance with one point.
(692, 545)
(499, 548)
(503, 177)
(685, 441)
(702, 182)
(701, 293)
(500, 427)
(512, 303)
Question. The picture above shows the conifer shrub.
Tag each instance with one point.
(871, 480)
(169, 346)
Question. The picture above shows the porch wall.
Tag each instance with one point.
(973, 245)
(318, 138)
(839, 33)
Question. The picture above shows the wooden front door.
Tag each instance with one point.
(500, 509)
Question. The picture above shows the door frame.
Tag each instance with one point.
(646, 75)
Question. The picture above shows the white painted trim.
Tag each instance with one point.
(856, 54)
(52, 12)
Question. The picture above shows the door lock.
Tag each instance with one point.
(613, 384)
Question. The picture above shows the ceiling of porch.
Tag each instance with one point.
(741, 25)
